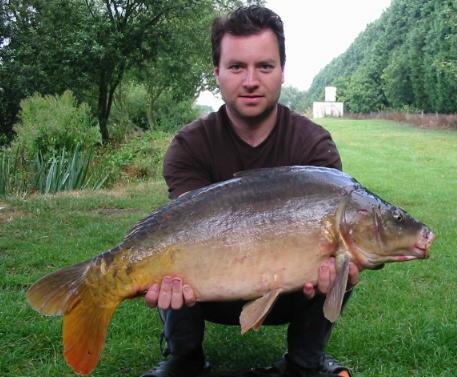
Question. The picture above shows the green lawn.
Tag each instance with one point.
(401, 321)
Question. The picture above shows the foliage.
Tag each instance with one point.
(140, 158)
(42, 50)
(11, 175)
(408, 57)
(129, 111)
(134, 111)
(61, 171)
(51, 123)
(65, 172)
(293, 98)
(172, 115)
(89, 46)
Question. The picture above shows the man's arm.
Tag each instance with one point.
(183, 168)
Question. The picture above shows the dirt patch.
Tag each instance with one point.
(432, 121)
(8, 213)
(117, 193)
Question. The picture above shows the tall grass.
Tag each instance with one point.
(63, 171)
(11, 175)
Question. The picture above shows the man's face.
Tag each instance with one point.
(250, 75)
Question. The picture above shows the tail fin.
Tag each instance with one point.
(86, 315)
(84, 333)
(58, 292)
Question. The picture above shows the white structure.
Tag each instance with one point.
(330, 107)
(330, 94)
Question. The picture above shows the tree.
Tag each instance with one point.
(88, 46)
(408, 57)
(38, 50)
(124, 34)
(293, 98)
(396, 79)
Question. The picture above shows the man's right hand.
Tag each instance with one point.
(171, 293)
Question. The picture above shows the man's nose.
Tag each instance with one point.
(251, 79)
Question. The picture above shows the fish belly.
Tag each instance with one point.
(248, 269)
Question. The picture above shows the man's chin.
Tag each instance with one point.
(254, 114)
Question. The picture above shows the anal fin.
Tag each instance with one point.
(255, 312)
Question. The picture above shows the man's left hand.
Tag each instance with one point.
(326, 278)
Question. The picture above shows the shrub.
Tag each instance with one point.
(52, 123)
(170, 115)
(65, 172)
(129, 111)
(140, 158)
(7, 169)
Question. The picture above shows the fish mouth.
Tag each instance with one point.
(423, 244)
(420, 250)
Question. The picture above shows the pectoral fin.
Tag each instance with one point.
(334, 300)
(255, 312)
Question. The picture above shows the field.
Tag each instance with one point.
(401, 321)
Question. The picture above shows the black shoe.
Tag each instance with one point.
(192, 364)
(332, 367)
(285, 368)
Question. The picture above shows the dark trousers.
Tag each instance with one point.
(307, 334)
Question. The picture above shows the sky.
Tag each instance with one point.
(316, 32)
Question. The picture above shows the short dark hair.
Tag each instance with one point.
(247, 21)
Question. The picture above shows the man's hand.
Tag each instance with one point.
(326, 278)
(170, 294)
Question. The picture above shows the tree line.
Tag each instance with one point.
(406, 60)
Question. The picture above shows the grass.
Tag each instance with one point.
(401, 321)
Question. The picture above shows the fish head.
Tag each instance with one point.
(377, 232)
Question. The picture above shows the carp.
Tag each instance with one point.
(253, 237)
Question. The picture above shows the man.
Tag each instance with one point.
(250, 131)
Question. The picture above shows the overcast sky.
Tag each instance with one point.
(316, 32)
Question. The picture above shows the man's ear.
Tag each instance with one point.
(216, 74)
(282, 75)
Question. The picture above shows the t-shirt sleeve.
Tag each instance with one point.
(183, 169)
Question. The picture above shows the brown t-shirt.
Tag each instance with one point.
(208, 150)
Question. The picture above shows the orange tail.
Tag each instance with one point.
(86, 317)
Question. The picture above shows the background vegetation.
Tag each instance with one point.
(406, 60)
(400, 321)
(84, 80)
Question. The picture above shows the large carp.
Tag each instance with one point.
(253, 237)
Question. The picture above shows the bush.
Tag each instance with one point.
(129, 110)
(170, 115)
(63, 171)
(52, 123)
(66, 172)
(11, 174)
(140, 158)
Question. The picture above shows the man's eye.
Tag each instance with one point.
(266, 67)
(235, 67)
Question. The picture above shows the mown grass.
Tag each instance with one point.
(401, 321)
